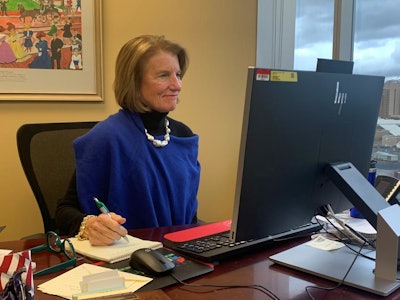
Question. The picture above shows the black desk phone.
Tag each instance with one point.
(389, 188)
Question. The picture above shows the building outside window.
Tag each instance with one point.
(377, 52)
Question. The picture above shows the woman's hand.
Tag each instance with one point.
(104, 230)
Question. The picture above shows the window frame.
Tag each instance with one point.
(276, 22)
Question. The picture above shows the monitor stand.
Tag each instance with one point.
(334, 264)
(357, 189)
(376, 276)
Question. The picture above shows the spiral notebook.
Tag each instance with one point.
(118, 251)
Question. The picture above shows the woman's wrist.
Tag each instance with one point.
(82, 234)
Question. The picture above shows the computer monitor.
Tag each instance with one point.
(295, 124)
(334, 66)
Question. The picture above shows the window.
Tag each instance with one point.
(313, 32)
(377, 52)
(294, 34)
(376, 39)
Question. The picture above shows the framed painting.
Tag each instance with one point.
(51, 50)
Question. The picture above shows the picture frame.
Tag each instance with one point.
(74, 79)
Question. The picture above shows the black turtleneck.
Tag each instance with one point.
(154, 123)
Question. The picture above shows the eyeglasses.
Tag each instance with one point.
(55, 244)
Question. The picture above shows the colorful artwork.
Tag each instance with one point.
(41, 34)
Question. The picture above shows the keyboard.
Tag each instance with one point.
(199, 244)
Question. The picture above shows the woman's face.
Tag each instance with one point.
(161, 82)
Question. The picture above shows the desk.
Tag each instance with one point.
(251, 269)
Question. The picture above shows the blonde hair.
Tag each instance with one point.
(131, 62)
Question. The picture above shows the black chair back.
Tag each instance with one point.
(48, 160)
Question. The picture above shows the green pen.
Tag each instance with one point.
(103, 208)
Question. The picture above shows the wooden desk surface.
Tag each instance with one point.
(252, 269)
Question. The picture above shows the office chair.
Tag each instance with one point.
(46, 154)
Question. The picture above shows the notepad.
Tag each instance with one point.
(118, 251)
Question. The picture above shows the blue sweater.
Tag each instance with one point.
(149, 186)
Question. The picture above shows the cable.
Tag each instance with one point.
(308, 288)
(347, 244)
(344, 230)
(260, 288)
(361, 236)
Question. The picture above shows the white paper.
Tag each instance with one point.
(67, 284)
(325, 244)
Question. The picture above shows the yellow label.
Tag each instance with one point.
(284, 76)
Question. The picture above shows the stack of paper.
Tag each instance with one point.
(67, 284)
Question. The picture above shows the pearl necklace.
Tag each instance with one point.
(158, 143)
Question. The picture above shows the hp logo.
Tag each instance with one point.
(340, 98)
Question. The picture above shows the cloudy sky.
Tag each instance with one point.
(377, 36)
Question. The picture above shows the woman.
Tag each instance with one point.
(67, 34)
(6, 54)
(42, 60)
(13, 40)
(142, 164)
(28, 38)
